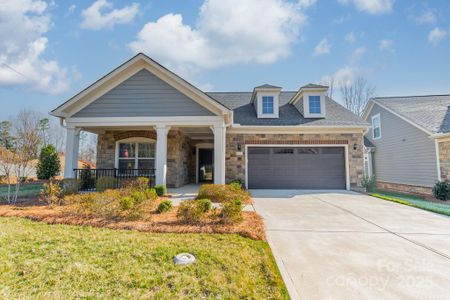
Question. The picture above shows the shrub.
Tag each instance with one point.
(126, 203)
(190, 212)
(139, 183)
(51, 193)
(69, 186)
(222, 193)
(236, 183)
(369, 182)
(164, 206)
(441, 190)
(105, 183)
(48, 165)
(161, 190)
(204, 204)
(150, 194)
(138, 197)
(231, 212)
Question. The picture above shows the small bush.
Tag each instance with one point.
(126, 203)
(51, 193)
(190, 212)
(105, 183)
(204, 204)
(164, 206)
(369, 182)
(69, 186)
(236, 183)
(48, 165)
(150, 194)
(139, 183)
(222, 193)
(160, 189)
(231, 212)
(441, 190)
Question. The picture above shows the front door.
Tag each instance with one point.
(205, 165)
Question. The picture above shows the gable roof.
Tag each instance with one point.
(267, 86)
(430, 113)
(244, 112)
(141, 61)
(312, 85)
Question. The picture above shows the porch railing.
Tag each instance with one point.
(116, 177)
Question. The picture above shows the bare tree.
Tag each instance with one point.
(356, 94)
(27, 143)
(329, 81)
(7, 163)
(57, 136)
(88, 146)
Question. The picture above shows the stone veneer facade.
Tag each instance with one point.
(405, 188)
(235, 162)
(181, 166)
(181, 161)
(444, 160)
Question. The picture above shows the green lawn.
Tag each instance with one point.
(72, 262)
(415, 201)
(26, 190)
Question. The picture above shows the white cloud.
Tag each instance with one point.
(100, 15)
(386, 45)
(323, 47)
(226, 33)
(22, 46)
(306, 3)
(71, 9)
(350, 38)
(436, 36)
(342, 77)
(357, 55)
(371, 6)
(426, 17)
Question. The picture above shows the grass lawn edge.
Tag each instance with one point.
(406, 202)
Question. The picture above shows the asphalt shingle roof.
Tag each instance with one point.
(245, 114)
(267, 86)
(429, 112)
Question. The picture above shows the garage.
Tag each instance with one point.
(296, 168)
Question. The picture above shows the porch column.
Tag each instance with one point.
(219, 154)
(161, 154)
(71, 154)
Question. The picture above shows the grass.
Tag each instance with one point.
(71, 262)
(414, 201)
(26, 190)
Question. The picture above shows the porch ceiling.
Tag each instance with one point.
(198, 132)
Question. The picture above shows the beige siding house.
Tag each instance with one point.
(411, 139)
(151, 121)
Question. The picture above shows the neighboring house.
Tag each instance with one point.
(149, 119)
(409, 141)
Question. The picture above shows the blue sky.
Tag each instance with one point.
(51, 50)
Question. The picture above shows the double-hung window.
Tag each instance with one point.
(136, 155)
(267, 105)
(376, 127)
(314, 105)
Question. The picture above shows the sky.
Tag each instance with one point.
(51, 50)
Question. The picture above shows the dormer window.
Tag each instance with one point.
(314, 105)
(267, 105)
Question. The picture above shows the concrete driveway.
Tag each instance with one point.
(344, 245)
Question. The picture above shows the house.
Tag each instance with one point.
(149, 119)
(409, 141)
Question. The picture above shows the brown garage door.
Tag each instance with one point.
(296, 168)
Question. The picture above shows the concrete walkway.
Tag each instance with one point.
(344, 245)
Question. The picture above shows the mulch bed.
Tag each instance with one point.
(252, 226)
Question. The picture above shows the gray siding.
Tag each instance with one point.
(404, 154)
(299, 106)
(142, 95)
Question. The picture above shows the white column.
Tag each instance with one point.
(219, 154)
(71, 155)
(161, 154)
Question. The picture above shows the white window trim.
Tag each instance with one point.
(306, 112)
(275, 105)
(136, 140)
(373, 127)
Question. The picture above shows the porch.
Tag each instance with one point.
(172, 155)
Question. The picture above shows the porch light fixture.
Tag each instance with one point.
(239, 147)
(355, 146)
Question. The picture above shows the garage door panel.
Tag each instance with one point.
(296, 168)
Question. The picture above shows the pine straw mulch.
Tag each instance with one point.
(252, 226)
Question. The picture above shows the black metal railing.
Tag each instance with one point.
(112, 178)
